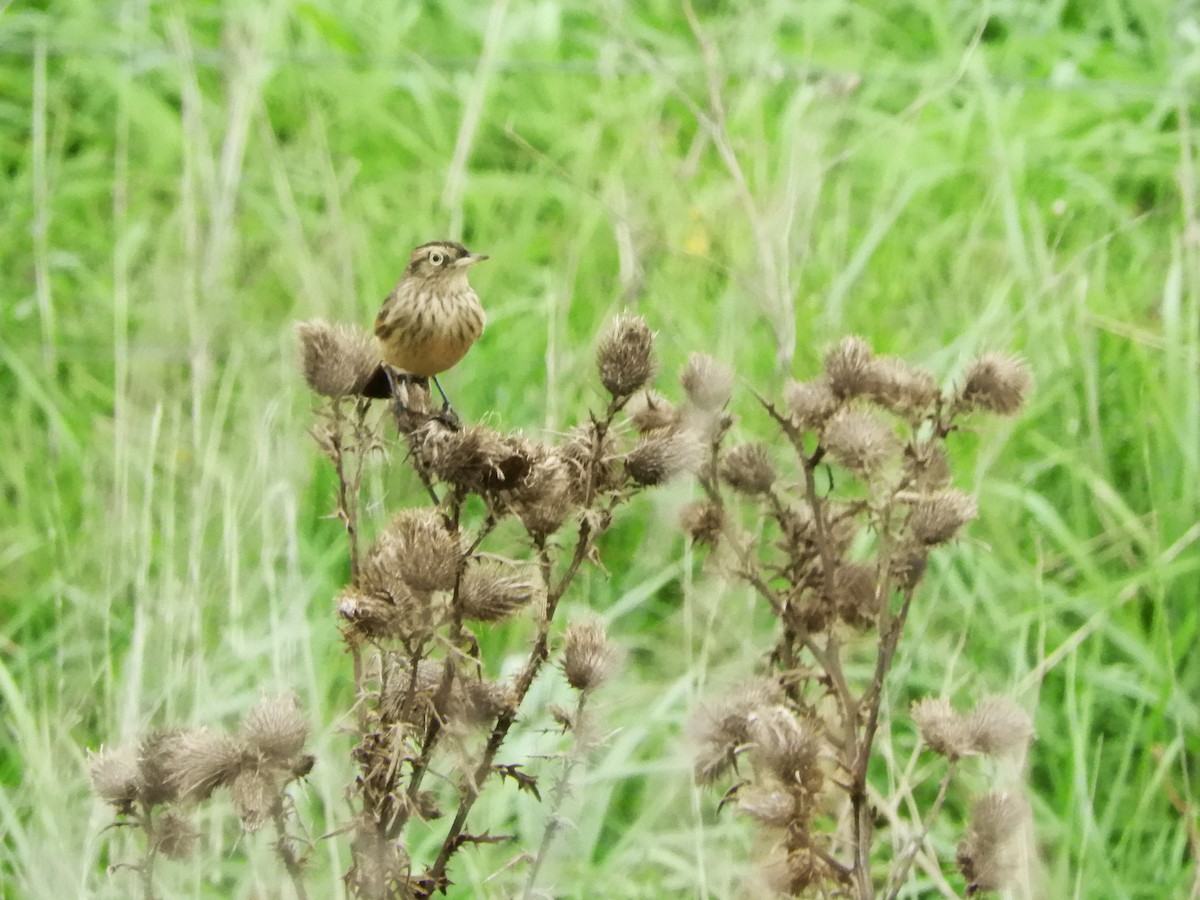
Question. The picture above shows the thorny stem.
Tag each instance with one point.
(283, 846)
(906, 860)
(558, 796)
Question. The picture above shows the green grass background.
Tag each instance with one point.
(183, 181)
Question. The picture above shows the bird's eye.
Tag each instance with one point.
(437, 258)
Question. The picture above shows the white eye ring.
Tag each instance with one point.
(437, 258)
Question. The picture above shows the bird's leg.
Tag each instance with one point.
(447, 416)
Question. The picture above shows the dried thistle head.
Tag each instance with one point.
(203, 760)
(337, 360)
(116, 777)
(368, 616)
(899, 386)
(707, 383)
(658, 458)
(650, 411)
(276, 728)
(942, 729)
(768, 804)
(860, 442)
(855, 595)
(491, 591)
(926, 467)
(175, 836)
(703, 521)
(256, 794)
(937, 517)
(997, 726)
(847, 366)
(588, 657)
(590, 458)
(811, 403)
(156, 765)
(426, 554)
(625, 355)
(783, 745)
(991, 855)
(748, 468)
(476, 459)
(544, 498)
(997, 382)
(719, 730)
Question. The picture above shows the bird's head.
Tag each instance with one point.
(441, 261)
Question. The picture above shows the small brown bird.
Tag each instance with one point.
(432, 316)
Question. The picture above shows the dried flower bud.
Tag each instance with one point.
(624, 356)
(768, 805)
(425, 553)
(937, 517)
(855, 594)
(367, 615)
(653, 413)
(811, 403)
(204, 760)
(276, 728)
(997, 382)
(175, 836)
(847, 365)
(156, 763)
(543, 500)
(490, 591)
(719, 730)
(658, 458)
(991, 855)
(116, 778)
(997, 726)
(708, 383)
(337, 360)
(860, 442)
(255, 792)
(782, 744)
(588, 657)
(899, 386)
(703, 522)
(748, 468)
(943, 730)
(927, 468)
(475, 459)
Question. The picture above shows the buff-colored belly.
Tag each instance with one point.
(426, 357)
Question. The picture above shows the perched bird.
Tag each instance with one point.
(432, 316)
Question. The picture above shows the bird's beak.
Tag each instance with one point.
(470, 259)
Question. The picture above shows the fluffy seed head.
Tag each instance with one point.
(543, 500)
(255, 794)
(927, 467)
(588, 657)
(997, 727)
(768, 805)
(708, 383)
(476, 459)
(990, 856)
(997, 382)
(426, 553)
(780, 743)
(651, 411)
(860, 442)
(748, 468)
(203, 760)
(703, 522)
(942, 729)
(847, 367)
(337, 360)
(899, 386)
(625, 355)
(490, 591)
(369, 616)
(811, 403)
(276, 728)
(937, 517)
(156, 765)
(115, 776)
(854, 593)
(658, 458)
(720, 729)
(175, 836)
